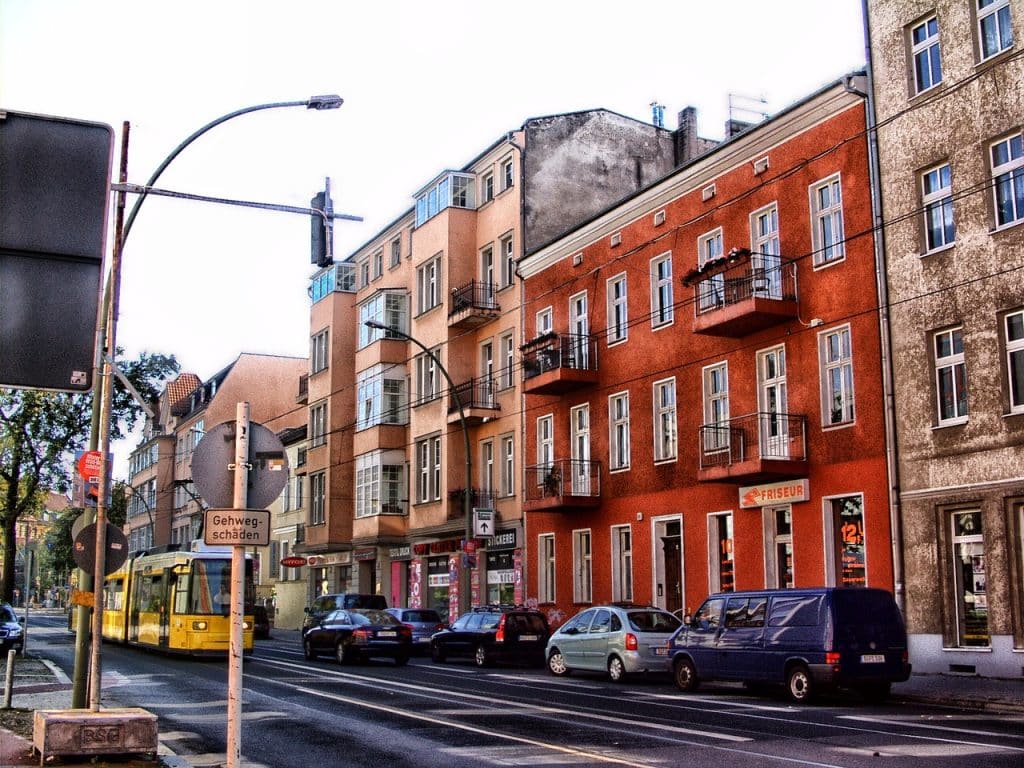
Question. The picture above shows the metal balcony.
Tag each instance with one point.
(557, 363)
(564, 484)
(478, 401)
(473, 305)
(743, 293)
(758, 447)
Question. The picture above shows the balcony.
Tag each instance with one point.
(556, 363)
(478, 497)
(562, 485)
(758, 447)
(473, 305)
(743, 293)
(478, 401)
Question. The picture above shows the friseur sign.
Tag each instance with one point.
(237, 527)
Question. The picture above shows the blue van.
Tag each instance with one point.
(805, 639)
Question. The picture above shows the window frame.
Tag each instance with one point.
(662, 293)
(617, 304)
(507, 349)
(317, 498)
(954, 362)
(829, 247)
(506, 248)
(486, 187)
(711, 290)
(1014, 373)
(319, 351)
(508, 465)
(844, 364)
(927, 50)
(546, 561)
(428, 377)
(318, 424)
(666, 419)
(508, 173)
(623, 584)
(428, 469)
(428, 285)
(582, 566)
(937, 202)
(1009, 173)
(999, 11)
(618, 432)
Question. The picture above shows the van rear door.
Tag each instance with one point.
(869, 634)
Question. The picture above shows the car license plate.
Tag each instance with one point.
(661, 650)
(872, 658)
(387, 633)
(527, 637)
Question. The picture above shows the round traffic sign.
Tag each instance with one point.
(215, 482)
(83, 550)
(89, 465)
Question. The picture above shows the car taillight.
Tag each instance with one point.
(631, 642)
(439, 627)
(499, 637)
(361, 635)
(409, 627)
(405, 630)
(832, 659)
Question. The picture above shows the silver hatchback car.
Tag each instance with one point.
(618, 639)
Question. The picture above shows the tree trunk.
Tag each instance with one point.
(10, 553)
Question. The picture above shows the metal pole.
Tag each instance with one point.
(240, 501)
(28, 586)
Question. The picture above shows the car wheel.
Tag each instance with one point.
(616, 669)
(307, 650)
(799, 685)
(342, 653)
(685, 675)
(480, 656)
(401, 659)
(437, 654)
(556, 663)
(876, 693)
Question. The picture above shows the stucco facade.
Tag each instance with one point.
(949, 102)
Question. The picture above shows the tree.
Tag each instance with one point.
(40, 432)
(59, 540)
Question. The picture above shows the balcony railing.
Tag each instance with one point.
(756, 446)
(473, 304)
(743, 293)
(477, 398)
(555, 363)
(563, 483)
(303, 394)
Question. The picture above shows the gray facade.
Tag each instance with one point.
(948, 88)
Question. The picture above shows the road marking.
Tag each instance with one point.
(946, 728)
(725, 702)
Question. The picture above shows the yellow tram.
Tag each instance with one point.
(175, 602)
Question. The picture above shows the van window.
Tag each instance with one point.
(794, 611)
(755, 611)
(736, 613)
(709, 615)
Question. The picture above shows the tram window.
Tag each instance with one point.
(206, 585)
(113, 596)
(181, 584)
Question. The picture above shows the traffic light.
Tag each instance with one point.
(54, 192)
(322, 230)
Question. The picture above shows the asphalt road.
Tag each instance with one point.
(299, 713)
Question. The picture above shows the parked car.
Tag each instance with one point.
(260, 623)
(352, 634)
(493, 634)
(618, 639)
(326, 603)
(423, 622)
(805, 639)
(12, 630)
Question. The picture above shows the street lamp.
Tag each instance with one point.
(465, 598)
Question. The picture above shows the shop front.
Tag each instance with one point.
(504, 572)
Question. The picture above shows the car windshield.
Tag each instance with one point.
(653, 621)
(370, 616)
(6, 614)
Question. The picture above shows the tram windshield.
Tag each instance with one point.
(210, 589)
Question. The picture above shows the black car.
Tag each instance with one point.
(12, 630)
(352, 634)
(494, 634)
(326, 603)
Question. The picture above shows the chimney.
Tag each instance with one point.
(734, 127)
(686, 136)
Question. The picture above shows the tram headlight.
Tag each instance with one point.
(246, 624)
(200, 626)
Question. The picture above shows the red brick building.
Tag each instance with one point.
(704, 402)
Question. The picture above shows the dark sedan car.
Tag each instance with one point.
(494, 634)
(11, 630)
(352, 634)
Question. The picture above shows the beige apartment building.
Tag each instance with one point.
(949, 106)
(387, 450)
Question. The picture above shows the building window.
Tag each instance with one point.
(428, 378)
(618, 431)
(317, 497)
(711, 289)
(487, 467)
(994, 27)
(827, 215)
(380, 400)
(849, 554)
(487, 187)
(378, 264)
(836, 376)
(779, 541)
(582, 567)
(924, 41)
(716, 408)
(388, 309)
(720, 554)
(951, 376)
(318, 352)
(508, 358)
(428, 285)
(1008, 171)
(545, 441)
(543, 322)
(661, 290)
(546, 568)
(618, 320)
(508, 466)
(380, 481)
(508, 261)
(1014, 324)
(396, 252)
(765, 262)
(364, 273)
(454, 190)
(507, 173)
(622, 564)
(428, 469)
(937, 200)
(969, 579)
(318, 425)
(665, 420)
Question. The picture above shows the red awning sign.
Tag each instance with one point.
(293, 561)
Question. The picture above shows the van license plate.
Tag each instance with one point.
(872, 658)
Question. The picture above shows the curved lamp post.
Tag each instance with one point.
(465, 596)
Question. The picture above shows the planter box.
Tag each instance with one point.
(128, 730)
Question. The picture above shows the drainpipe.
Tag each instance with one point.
(885, 326)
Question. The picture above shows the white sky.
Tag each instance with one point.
(427, 85)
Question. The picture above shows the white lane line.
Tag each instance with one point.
(681, 699)
(945, 728)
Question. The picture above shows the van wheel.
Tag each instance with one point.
(307, 650)
(616, 669)
(799, 685)
(876, 693)
(556, 664)
(436, 654)
(685, 676)
(480, 656)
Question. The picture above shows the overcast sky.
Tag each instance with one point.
(427, 85)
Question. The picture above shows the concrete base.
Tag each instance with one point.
(129, 730)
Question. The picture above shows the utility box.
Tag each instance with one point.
(125, 731)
